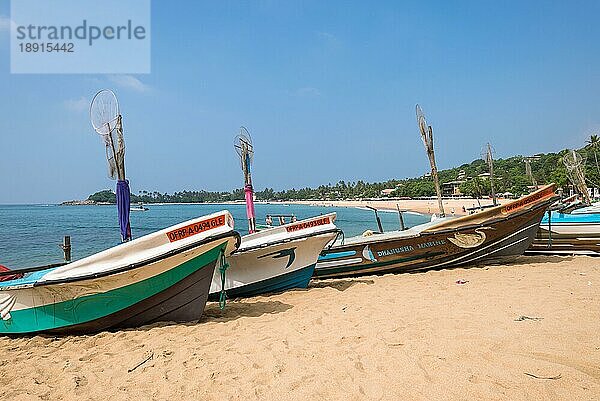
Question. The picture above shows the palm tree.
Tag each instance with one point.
(593, 143)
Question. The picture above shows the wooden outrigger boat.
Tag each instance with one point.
(495, 233)
(568, 234)
(276, 259)
(164, 276)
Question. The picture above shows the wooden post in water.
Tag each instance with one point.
(400, 218)
(66, 247)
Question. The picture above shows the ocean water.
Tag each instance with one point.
(30, 235)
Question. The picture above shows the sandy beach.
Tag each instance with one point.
(423, 206)
(523, 331)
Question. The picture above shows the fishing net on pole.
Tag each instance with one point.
(427, 136)
(487, 155)
(108, 123)
(574, 165)
(425, 130)
(245, 150)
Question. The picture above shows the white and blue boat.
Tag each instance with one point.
(276, 259)
(568, 234)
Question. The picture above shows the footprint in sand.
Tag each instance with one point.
(87, 357)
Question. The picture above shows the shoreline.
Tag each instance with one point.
(452, 206)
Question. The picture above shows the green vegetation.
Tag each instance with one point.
(509, 177)
(106, 196)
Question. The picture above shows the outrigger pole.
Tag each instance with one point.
(244, 148)
(427, 136)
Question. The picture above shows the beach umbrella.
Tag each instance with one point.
(108, 123)
(245, 150)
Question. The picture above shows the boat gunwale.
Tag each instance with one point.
(131, 266)
(284, 240)
(374, 238)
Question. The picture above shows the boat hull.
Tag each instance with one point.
(276, 262)
(298, 278)
(568, 234)
(173, 288)
(492, 240)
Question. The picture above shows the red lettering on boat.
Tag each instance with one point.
(196, 228)
(308, 224)
(521, 203)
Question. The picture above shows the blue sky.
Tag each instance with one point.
(326, 88)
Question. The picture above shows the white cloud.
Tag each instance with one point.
(77, 105)
(129, 82)
(308, 91)
(5, 23)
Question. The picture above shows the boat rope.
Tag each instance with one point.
(338, 233)
(549, 229)
(223, 266)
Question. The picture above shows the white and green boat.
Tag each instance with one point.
(164, 276)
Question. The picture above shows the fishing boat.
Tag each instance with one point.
(276, 259)
(163, 276)
(573, 225)
(138, 208)
(568, 234)
(495, 233)
(590, 209)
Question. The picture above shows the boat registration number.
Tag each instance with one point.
(307, 224)
(521, 203)
(196, 228)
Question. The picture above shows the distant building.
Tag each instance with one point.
(452, 188)
(387, 191)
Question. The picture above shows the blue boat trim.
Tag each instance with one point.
(295, 279)
(561, 218)
(28, 278)
(337, 255)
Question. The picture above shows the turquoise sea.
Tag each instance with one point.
(30, 234)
